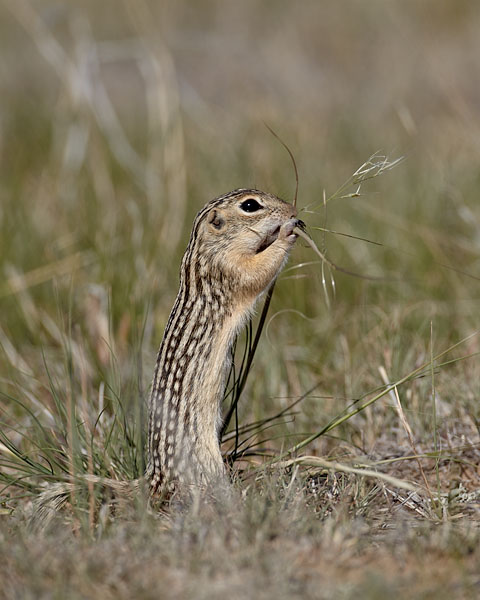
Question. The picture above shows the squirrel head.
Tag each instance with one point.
(241, 241)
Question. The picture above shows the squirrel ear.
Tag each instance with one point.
(215, 219)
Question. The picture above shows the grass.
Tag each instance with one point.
(355, 441)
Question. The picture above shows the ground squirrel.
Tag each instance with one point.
(239, 244)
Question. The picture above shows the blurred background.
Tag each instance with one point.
(119, 120)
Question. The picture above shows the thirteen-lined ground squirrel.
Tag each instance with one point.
(239, 244)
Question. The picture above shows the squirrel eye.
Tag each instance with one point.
(250, 205)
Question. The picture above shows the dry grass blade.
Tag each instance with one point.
(6, 450)
(376, 165)
(316, 461)
(294, 163)
(398, 405)
(328, 262)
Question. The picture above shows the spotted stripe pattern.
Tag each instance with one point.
(193, 359)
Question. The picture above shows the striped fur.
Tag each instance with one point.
(224, 270)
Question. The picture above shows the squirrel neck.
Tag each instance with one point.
(189, 382)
